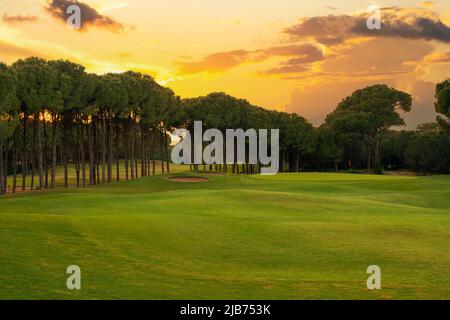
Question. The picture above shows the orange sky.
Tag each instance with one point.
(287, 55)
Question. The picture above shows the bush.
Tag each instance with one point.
(429, 153)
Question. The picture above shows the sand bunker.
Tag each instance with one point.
(189, 179)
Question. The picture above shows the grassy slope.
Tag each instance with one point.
(288, 236)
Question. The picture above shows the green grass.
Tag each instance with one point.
(289, 236)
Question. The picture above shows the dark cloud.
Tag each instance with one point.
(395, 22)
(18, 19)
(417, 28)
(358, 60)
(301, 55)
(89, 16)
(215, 62)
(304, 52)
(325, 29)
(295, 68)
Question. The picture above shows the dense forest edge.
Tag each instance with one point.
(112, 127)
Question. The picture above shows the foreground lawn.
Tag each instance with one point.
(290, 236)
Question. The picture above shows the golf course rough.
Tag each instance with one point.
(288, 236)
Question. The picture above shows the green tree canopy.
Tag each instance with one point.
(442, 104)
(368, 113)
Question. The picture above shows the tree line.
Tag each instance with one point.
(104, 128)
(53, 114)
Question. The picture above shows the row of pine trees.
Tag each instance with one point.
(109, 127)
(103, 128)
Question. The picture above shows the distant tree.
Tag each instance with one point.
(75, 88)
(393, 146)
(442, 104)
(37, 90)
(111, 96)
(116, 116)
(428, 152)
(137, 93)
(297, 139)
(8, 117)
(329, 147)
(369, 113)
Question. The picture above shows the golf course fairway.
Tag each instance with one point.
(288, 236)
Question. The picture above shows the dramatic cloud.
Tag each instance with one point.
(216, 62)
(365, 64)
(395, 22)
(301, 55)
(18, 19)
(89, 16)
(330, 31)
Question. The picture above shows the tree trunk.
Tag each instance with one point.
(136, 171)
(64, 148)
(281, 160)
(373, 150)
(24, 152)
(54, 132)
(376, 154)
(110, 148)
(125, 133)
(167, 153)
(161, 144)
(45, 153)
(103, 148)
(14, 162)
(2, 180)
(33, 172)
(95, 152)
(143, 151)
(148, 147)
(132, 153)
(40, 166)
(154, 152)
(91, 152)
(117, 150)
(82, 154)
(5, 169)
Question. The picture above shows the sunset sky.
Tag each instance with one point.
(291, 55)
